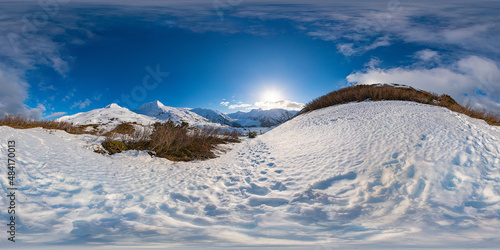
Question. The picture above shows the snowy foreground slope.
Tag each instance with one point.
(370, 174)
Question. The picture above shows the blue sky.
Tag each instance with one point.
(62, 57)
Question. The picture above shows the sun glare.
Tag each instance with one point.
(272, 96)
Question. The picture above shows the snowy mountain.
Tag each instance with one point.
(214, 116)
(260, 117)
(158, 110)
(368, 174)
(109, 116)
(112, 115)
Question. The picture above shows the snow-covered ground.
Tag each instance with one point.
(370, 174)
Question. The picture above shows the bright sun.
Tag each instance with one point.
(271, 96)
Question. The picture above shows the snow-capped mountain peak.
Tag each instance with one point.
(113, 114)
(177, 115)
(108, 117)
(214, 116)
(113, 105)
(260, 117)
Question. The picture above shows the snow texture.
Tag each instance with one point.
(370, 174)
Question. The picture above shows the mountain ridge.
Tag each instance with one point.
(156, 111)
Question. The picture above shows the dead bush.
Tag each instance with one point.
(178, 142)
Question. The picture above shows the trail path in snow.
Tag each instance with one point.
(377, 173)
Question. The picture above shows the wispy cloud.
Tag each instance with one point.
(53, 115)
(69, 95)
(427, 55)
(238, 106)
(81, 104)
(283, 104)
(44, 87)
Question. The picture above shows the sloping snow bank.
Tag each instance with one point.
(368, 174)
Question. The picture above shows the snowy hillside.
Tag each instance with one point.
(260, 117)
(108, 117)
(214, 116)
(364, 175)
(158, 110)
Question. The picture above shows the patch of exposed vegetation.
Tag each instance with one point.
(179, 142)
(20, 122)
(359, 93)
(123, 128)
(113, 147)
(252, 134)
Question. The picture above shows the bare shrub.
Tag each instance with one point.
(178, 142)
(252, 134)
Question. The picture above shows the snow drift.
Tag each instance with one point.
(367, 174)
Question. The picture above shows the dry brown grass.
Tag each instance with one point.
(360, 93)
(123, 129)
(179, 142)
(20, 122)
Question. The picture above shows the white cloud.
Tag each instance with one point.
(237, 106)
(14, 94)
(359, 26)
(43, 86)
(56, 114)
(81, 104)
(69, 95)
(351, 49)
(224, 104)
(41, 107)
(25, 44)
(374, 62)
(283, 104)
(461, 80)
(427, 55)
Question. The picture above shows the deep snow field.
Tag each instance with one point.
(365, 175)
